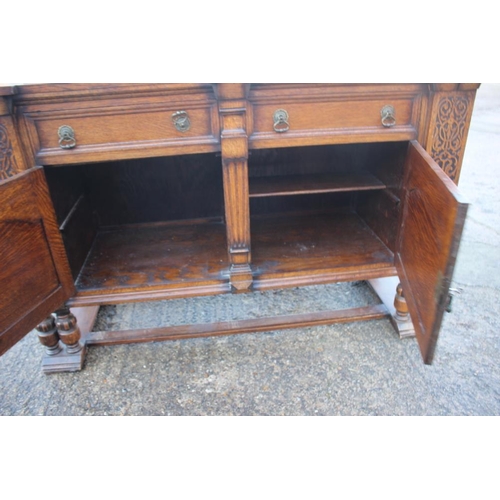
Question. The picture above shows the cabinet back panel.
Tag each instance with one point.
(307, 203)
(156, 189)
(380, 209)
(309, 160)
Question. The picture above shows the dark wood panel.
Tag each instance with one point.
(35, 277)
(68, 188)
(430, 228)
(26, 261)
(311, 159)
(309, 184)
(312, 246)
(380, 209)
(319, 203)
(386, 162)
(156, 189)
(145, 257)
(78, 234)
(66, 185)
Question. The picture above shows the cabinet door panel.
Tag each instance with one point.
(432, 220)
(34, 274)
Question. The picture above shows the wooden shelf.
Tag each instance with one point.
(144, 259)
(306, 250)
(284, 185)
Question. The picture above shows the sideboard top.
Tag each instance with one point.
(47, 90)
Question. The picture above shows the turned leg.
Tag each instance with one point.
(68, 330)
(64, 348)
(48, 336)
(396, 305)
(400, 305)
(401, 317)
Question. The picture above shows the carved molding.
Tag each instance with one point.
(8, 165)
(450, 132)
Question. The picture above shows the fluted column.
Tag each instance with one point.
(234, 147)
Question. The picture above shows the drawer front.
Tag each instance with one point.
(109, 134)
(282, 123)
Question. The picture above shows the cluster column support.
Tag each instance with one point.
(64, 347)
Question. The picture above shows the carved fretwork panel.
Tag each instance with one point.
(448, 130)
(8, 164)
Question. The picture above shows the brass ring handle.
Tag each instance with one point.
(181, 121)
(388, 117)
(280, 118)
(66, 137)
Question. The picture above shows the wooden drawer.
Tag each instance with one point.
(329, 119)
(123, 132)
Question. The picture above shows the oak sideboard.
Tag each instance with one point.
(115, 193)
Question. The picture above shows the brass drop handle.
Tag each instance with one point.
(280, 118)
(388, 116)
(66, 137)
(181, 121)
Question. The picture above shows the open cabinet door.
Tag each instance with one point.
(431, 225)
(35, 278)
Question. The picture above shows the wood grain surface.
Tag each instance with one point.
(155, 256)
(431, 225)
(35, 276)
(312, 249)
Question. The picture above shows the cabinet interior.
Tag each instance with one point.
(152, 222)
(329, 210)
(159, 222)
